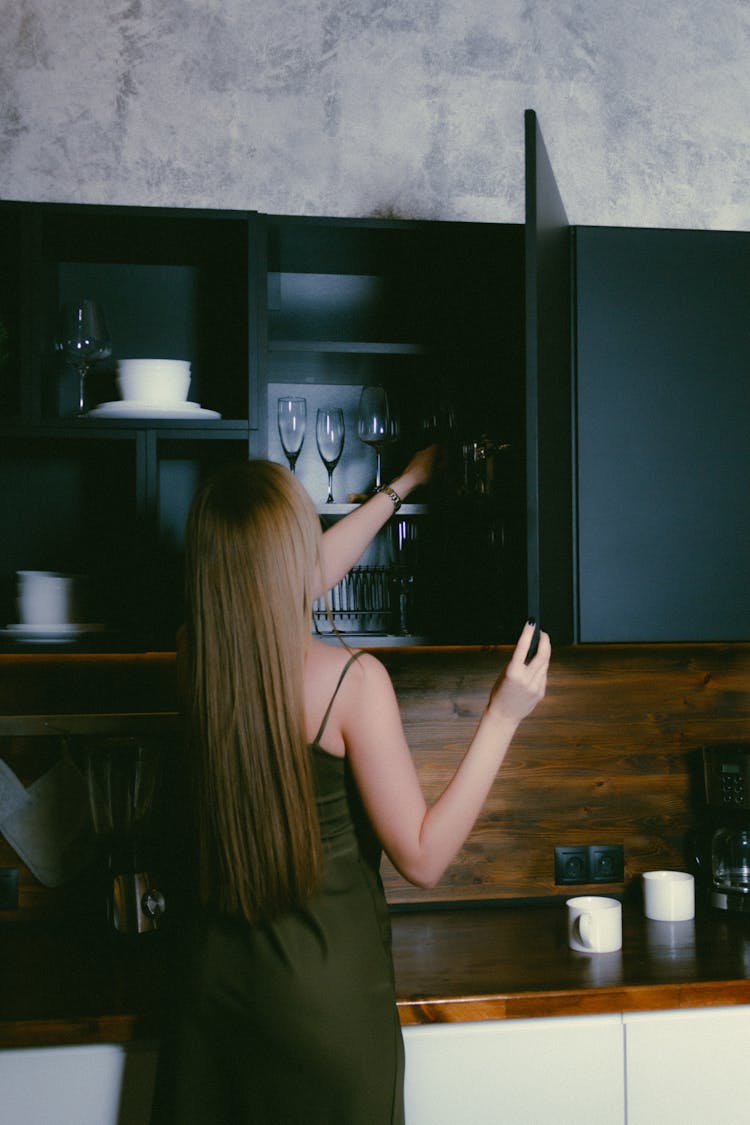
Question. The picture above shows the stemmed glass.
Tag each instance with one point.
(374, 423)
(83, 337)
(292, 418)
(330, 436)
(406, 551)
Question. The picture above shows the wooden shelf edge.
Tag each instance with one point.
(76, 1031)
(105, 723)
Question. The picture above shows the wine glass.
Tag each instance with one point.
(406, 561)
(82, 338)
(438, 421)
(374, 423)
(330, 436)
(292, 418)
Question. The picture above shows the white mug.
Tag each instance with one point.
(668, 896)
(45, 597)
(594, 924)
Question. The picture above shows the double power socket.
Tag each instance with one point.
(592, 863)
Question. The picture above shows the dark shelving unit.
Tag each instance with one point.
(433, 311)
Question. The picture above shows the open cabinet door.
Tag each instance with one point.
(549, 484)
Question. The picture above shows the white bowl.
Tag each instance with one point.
(156, 382)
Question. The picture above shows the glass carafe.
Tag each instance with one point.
(730, 859)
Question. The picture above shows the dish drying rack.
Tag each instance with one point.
(360, 603)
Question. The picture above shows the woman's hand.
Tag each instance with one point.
(419, 471)
(517, 692)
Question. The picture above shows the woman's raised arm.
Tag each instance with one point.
(345, 541)
(422, 841)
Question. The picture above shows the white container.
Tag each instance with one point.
(45, 597)
(153, 382)
(669, 896)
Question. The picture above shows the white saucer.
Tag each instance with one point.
(129, 408)
(50, 634)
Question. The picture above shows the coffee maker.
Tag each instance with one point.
(726, 772)
(123, 781)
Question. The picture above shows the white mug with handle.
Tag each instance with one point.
(594, 924)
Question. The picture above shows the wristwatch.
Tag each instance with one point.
(392, 495)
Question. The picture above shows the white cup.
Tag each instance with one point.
(594, 924)
(45, 597)
(669, 896)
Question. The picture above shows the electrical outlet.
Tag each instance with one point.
(8, 888)
(594, 863)
(571, 865)
(606, 863)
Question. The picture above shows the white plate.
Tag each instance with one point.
(128, 408)
(50, 634)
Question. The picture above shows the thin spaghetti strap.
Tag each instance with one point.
(345, 669)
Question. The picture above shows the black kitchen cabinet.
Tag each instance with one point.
(433, 312)
(663, 417)
(589, 387)
(262, 305)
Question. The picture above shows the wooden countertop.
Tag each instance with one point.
(468, 963)
(511, 962)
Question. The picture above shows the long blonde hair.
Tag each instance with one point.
(253, 543)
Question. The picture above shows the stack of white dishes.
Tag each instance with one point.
(153, 388)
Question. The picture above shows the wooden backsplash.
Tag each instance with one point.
(609, 757)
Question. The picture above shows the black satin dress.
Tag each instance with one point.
(294, 1022)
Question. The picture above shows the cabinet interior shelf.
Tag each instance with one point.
(344, 509)
(374, 640)
(182, 425)
(91, 427)
(348, 347)
(104, 723)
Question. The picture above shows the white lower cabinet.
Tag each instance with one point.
(688, 1067)
(676, 1068)
(518, 1072)
(105, 1084)
(556, 1071)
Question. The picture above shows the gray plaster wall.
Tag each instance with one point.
(380, 107)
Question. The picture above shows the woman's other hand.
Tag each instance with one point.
(517, 692)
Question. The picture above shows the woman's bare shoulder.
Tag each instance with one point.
(328, 657)
(327, 663)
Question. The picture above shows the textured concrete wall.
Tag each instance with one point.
(358, 107)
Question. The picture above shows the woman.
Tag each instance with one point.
(301, 775)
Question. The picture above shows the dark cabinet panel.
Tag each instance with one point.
(663, 449)
(14, 295)
(549, 485)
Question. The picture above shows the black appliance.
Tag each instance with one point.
(726, 860)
